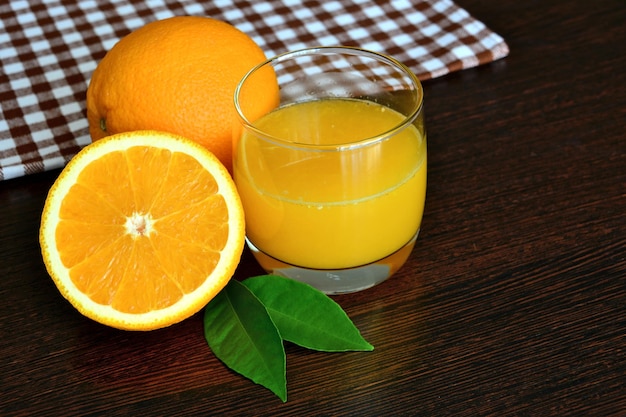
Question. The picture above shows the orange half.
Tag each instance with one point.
(142, 229)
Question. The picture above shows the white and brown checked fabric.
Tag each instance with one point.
(49, 48)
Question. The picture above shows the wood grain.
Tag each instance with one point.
(512, 303)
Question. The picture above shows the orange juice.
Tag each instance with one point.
(344, 186)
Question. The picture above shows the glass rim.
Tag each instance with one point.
(330, 50)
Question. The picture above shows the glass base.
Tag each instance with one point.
(338, 281)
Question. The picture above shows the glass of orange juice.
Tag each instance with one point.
(333, 180)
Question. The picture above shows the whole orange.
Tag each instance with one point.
(177, 75)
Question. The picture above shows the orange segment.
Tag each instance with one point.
(142, 229)
(147, 187)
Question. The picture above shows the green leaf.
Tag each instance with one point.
(241, 334)
(306, 316)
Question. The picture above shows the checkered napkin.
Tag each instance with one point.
(49, 48)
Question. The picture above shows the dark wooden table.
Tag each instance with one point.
(512, 303)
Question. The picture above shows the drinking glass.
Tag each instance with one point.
(333, 179)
